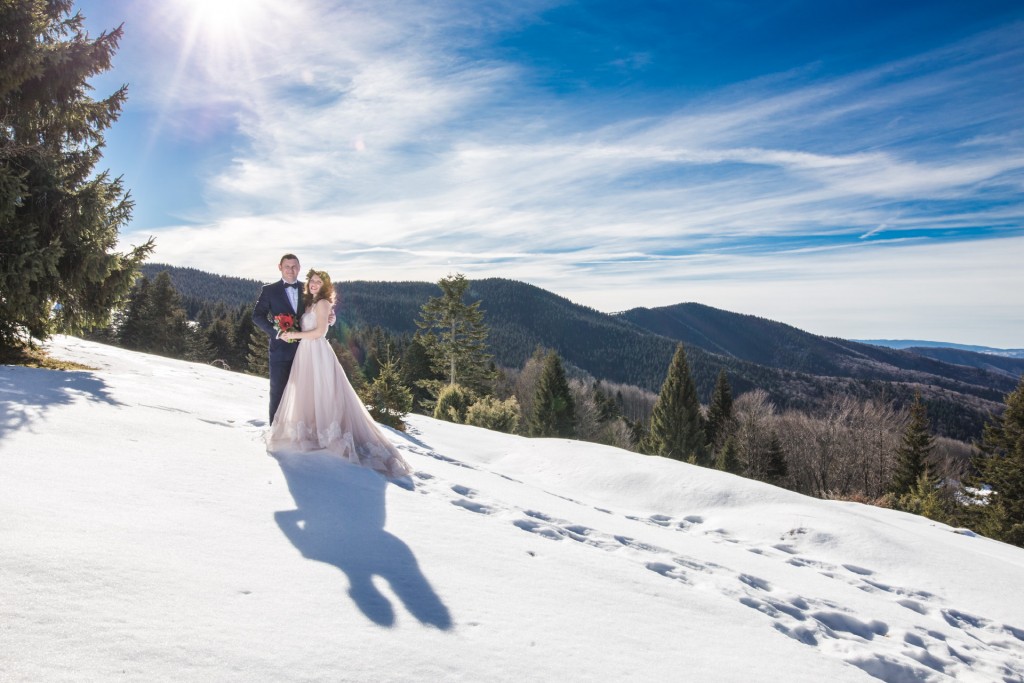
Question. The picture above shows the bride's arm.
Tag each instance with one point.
(323, 308)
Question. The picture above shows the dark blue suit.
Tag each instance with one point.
(273, 301)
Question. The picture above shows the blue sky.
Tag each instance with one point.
(854, 168)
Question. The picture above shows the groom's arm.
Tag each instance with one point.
(261, 313)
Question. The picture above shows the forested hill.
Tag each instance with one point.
(198, 286)
(778, 345)
(796, 368)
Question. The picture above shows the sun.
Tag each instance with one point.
(217, 18)
(221, 36)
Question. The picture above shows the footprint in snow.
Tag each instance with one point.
(473, 506)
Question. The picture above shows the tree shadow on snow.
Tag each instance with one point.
(26, 393)
(340, 521)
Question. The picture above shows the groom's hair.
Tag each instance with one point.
(287, 257)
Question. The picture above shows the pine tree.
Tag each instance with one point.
(454, 335)
(416, 370)
(132, 330)
(59, 220)
(927, 500)
(720, 411)
(257, 362)
(198, 348)
(677, 428)
(386, 398)
(167, 326)
(243, 329)
(776, 467)
(220, 340)
(728, 459)
(1001, 467)
(912, 455)
(553, 410)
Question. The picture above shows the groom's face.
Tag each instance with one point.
(289, 269)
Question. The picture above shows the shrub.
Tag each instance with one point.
(452, 403)
(493, 413)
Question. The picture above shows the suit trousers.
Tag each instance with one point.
(279, 373)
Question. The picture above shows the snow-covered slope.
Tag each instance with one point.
(145, 534)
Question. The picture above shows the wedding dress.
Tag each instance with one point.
(320, 410)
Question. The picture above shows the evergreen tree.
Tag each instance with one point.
(927, 500)
(677, 428)
(59, 220)
(220, 340)
(1001, 467)
(154, 321)
(776, 467)
(728, 459)
(912, 455)
(243, 329)
(416, 370)
(166, 325)
(454, 335)
(607, 408)
(133, 321)
(199, 349)
(386, 398)
(553, 411)
(257, 362)
(720, 411)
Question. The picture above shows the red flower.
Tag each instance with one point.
(283, 323)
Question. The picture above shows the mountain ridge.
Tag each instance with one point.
(798, 369)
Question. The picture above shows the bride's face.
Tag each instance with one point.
(315, 283)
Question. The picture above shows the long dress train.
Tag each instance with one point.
(320, 410)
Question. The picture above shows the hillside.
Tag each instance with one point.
(797, 369)
(181, 551)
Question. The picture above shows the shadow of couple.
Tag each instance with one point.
(339, 519)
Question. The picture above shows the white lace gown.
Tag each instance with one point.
(320, 410)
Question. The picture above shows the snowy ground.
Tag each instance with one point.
(145, 534)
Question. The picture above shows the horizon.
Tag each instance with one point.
(854, 171)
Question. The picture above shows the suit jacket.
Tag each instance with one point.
(273, 301)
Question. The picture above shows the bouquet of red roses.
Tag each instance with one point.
(283, 323)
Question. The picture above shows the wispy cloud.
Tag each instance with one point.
(385, 141)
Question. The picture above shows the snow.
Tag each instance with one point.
(145, 534)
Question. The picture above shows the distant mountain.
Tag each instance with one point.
(1010, 366)
(918, 344)
(798, 369)
(782, 346)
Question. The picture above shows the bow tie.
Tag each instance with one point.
(293, 285)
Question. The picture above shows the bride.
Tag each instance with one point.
(319, 408)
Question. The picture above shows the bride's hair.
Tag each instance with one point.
(326, 292)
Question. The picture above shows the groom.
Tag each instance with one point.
(277, 298)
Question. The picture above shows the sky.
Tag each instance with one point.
(183, 552)
(854, 169)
